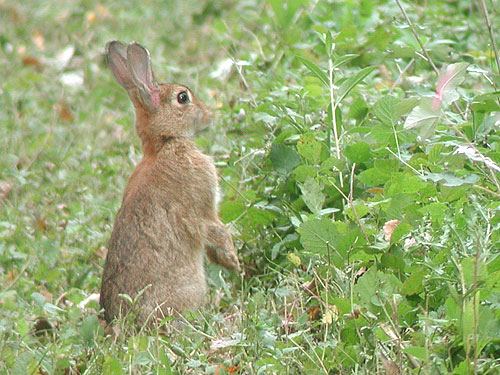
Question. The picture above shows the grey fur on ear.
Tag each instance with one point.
(116, 53)
(141, 72)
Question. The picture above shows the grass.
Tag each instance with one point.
(329, 286)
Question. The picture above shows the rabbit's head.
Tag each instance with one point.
(162, 110)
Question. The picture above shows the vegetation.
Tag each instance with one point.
(358, 148)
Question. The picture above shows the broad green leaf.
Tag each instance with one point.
(259, 216)
(404, 183)
(404, 106)
(450, 180)
(486, 102)
(358, 152)
(437, 212)
(315, 70)
(416, 351)
(346, 86)
(309, 148)
(401, 230)
(423, 117)
(361, 210)
(414, 283)
(303, 172)
(284, 158)
(374, 286)
(312, 195)
(89, 329)
(318, 236)
(112, 366)
(231, 210)
(372, 177)
(385, 110)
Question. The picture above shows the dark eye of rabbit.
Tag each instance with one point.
(182, 97)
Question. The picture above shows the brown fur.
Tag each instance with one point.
(169, 213)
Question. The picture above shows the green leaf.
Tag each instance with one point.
(231, 210)
(312, 195)
(315, 70)
(385, 110)
(404, 106)
(424, 117)
(486, 102)
(89, 329)
(309, 148)
(346, 87)
(259, 216)
(372, 177)
(318, 236)
(343, 60)
(284, 158)
(450, 180)
(404, 183)
(437, 212)
(417, 352)
(401, 230)
(112, 366)
(361, 210)
(358, 152)
(303, 172)
(413, 284)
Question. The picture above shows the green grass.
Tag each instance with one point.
(324, 291)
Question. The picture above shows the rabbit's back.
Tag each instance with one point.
(157, 242)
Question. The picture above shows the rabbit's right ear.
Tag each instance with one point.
(116, 53)
(141, 71)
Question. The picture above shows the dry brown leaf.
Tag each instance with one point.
(32, 61)
(314, 313)
(11, 275)
(390, 367)
(389, 228)
(42, 224)
(64, 111)
(375, 190)
(221, 369)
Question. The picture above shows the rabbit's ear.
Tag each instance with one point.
(139, 66)
(116, 53)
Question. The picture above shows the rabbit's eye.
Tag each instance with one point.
(182, 97)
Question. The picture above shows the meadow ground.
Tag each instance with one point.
(358, 148)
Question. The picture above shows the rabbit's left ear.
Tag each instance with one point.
(116, 53)
(141, 72)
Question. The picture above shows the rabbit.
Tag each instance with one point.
(168, 217)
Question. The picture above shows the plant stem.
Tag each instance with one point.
(482, 5)
(412, 28)
(334, 118)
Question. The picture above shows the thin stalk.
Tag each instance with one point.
(482, 5)
(334, 118)
(412, 28)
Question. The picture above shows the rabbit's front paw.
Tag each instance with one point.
(230, 261)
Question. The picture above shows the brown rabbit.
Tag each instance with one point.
(169, 213)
